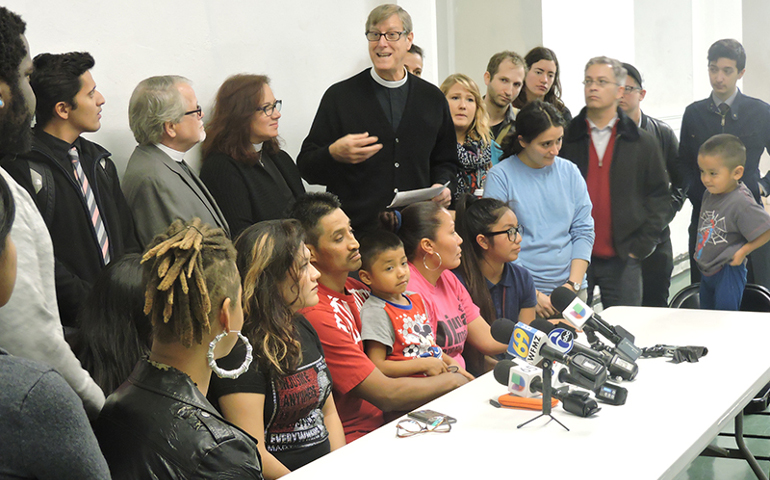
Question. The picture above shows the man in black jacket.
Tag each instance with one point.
(73, 181)
(657, 268)
(381, 131)
(626, 180)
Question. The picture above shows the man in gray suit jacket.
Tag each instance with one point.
(159, 185)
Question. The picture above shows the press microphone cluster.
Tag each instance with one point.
(616, 365)
(533, 345)
(527, 381)
(583, 317)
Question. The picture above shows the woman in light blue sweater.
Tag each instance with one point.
(551, 201)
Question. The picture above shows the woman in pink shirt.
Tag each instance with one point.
(433, 249)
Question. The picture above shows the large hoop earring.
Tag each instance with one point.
(437, 266)
(221, 373)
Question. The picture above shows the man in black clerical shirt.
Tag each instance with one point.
(381, 131)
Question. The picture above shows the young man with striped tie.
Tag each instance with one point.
(73, 181)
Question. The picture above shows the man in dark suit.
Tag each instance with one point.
(726, 110)
(160, 187)
(73, 181)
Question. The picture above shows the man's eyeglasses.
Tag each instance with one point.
(630, 89)
(198, 112)
(389, 36)
(601, 82)
(408, 427)
(512, 232)
(271, 108)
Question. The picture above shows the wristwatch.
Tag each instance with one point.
(575, 285)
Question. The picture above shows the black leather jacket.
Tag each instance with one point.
(669, 146)
(158, 425)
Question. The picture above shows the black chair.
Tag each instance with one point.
(756, 298)
(688, 297)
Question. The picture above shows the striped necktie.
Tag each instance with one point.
(93, 209)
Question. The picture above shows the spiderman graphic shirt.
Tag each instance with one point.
(727, 222)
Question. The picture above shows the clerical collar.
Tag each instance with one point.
(717, 101)
(174, 154)
(389, 83)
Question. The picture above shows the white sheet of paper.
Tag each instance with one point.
(403, 199)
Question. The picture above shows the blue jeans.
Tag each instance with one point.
(724, 289)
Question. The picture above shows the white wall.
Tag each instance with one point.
(480, 29)
(577, 31)
(304, 46)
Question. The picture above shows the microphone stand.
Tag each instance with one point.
(547, 364)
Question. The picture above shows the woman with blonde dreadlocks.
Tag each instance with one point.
(285, 401)
(158, 424)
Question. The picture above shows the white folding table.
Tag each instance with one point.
(672, 413)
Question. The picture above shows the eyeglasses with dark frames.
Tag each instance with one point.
(198, 112)
(389, 36)
(630, 89)
(408, 427)
(271, 108)
(512, 232)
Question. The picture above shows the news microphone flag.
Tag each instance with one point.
(525, 343)
(577, 312)
(521, 379)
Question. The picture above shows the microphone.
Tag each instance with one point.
(580, 314)
(532, 346)
(611, 394)
(526, 380)
(616, 366)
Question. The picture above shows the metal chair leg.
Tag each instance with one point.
(745, 450)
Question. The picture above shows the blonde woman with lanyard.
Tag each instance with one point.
(474, 141)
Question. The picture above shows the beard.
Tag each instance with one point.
(15, 130)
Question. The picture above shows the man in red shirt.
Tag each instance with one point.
(627, 182)
(361, 391)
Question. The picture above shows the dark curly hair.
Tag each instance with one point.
(12, 49)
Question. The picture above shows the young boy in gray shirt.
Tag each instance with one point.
(731, 225)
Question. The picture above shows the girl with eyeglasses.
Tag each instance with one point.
(492, 236)
(550, 197)
(243, 166)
